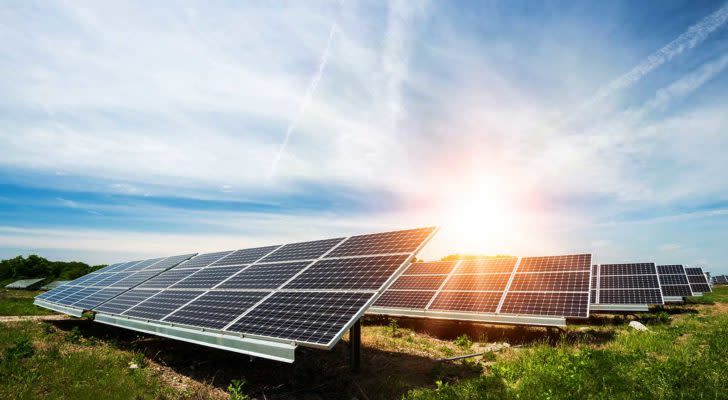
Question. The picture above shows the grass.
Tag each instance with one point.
(35, 364)
(683, 355)
(686, 358)
(20, 302)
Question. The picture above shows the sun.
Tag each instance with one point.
(477, 219)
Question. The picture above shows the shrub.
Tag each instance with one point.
(22, 348)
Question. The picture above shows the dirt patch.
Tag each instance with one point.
(20, 318)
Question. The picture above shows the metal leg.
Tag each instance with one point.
(355, 346)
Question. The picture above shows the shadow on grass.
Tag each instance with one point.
(513, 335)
(316, 374)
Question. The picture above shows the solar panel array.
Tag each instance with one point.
(673, 281)
(91, 290)
(697, 279)
(626, 284)
(307, 293)
(532, 286)
(721, 280)
(25, 283)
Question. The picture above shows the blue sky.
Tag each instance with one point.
(137, 129)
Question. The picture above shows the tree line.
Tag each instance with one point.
(35, 266)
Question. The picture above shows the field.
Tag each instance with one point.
(683, 355)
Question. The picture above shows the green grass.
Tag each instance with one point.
(20, 302)
(686, 359)
(54, 368)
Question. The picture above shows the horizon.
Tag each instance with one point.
(138, 130)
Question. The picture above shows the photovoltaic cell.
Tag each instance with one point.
(423, 268)
(245, 256)
(406, 241)
(405, 299)
(551, 282)
(628, 269)
(124, 301)
(144, 264)
(264, 276)
(214, 310)
(207, 277)
(670, 269)
(629, 282)
(168, 278)
(366, 273)
(630, 296)
(578, 262)
(487, 265)
(91, 301)
(158, 306)
(302, 251)
(311, 317)
(478, 282)
(420, 282)
(203, 260)
(673, 281)
(478, 302)
(574, 305)
(698, 280)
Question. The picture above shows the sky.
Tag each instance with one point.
(138, 129)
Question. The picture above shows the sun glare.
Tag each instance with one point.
(477, 220)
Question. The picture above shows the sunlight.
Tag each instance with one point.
(477, 219)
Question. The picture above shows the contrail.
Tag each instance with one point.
(695, 35)
(304, 103)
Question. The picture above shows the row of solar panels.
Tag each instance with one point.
(720, 280)
(534, 290)
(265, 301)
(262, 301)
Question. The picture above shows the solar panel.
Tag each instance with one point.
(419, 282)
(215, 310)
(304, 293)
(303, 250)
(673, 282)
(625, 287)
(479, 302)
(406, 241)
(306, 317)
(364, 273)
(126, 300)
(92, 289)
(494, 289)
(264, 276)
(424, 268)
(161, 304)
(413, 299)
(721, 280)
(207, 278)
(550, 286)
(698, 281)
(245, 256)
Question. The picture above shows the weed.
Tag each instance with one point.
(48, 328)
(22, 348)
(463, 341)
(393, 327)
(235, 390)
